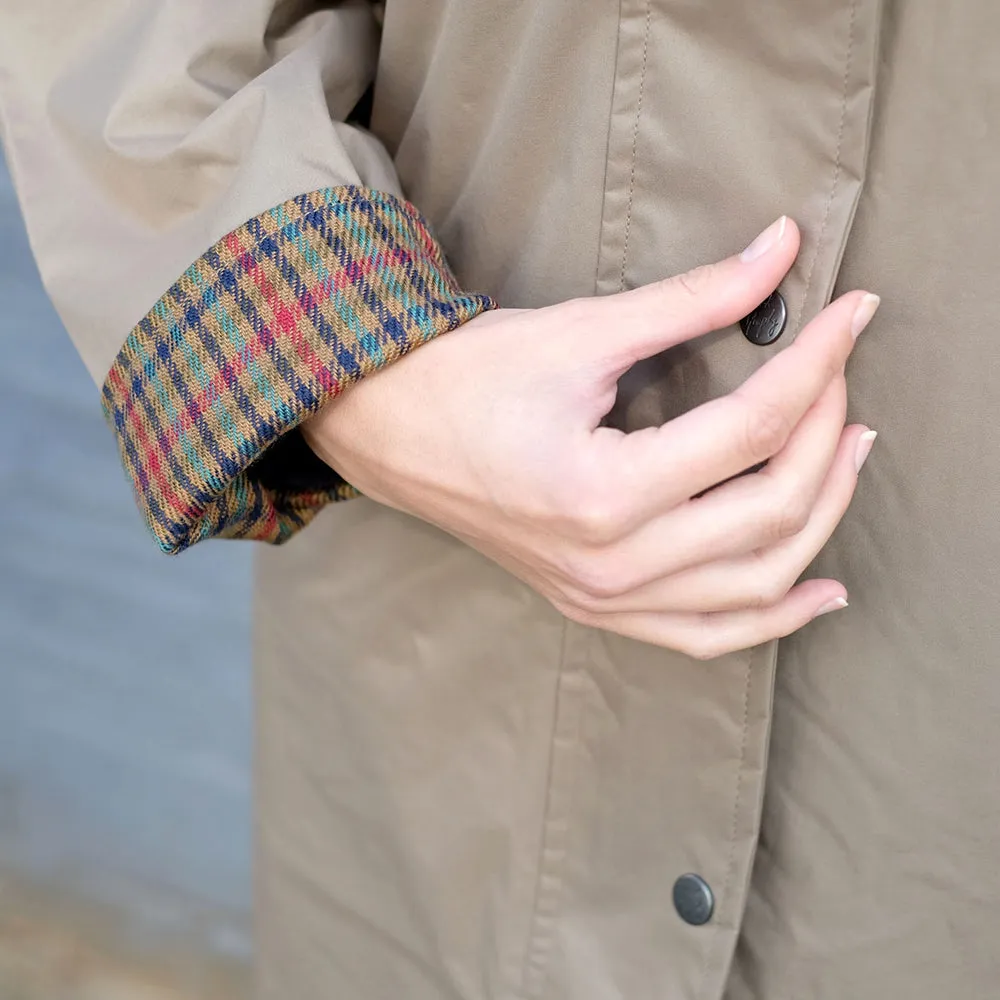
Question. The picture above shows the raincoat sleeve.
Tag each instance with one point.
(227, 253)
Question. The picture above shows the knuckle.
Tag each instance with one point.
(598, 519)
(595, 578)
(767, 428)
(767, 593)
(790, 517)
(703, 647)
(708, 652)
(691, 283)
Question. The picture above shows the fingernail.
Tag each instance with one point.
(863, 314)
(771, 237)
(865, 443)
(835, 605)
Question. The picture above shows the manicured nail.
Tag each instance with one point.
(835, 605)
(863, 314)
(865, 443)
(768, 239)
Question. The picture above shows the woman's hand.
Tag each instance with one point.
(493, 433)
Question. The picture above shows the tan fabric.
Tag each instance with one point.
(459, 794)
(138, 133)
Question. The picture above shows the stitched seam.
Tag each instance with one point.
(731, 861)
(607, 154)
(538, 941)
(770, 669)
(635, 142)
(837, 165)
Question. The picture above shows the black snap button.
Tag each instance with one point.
(693, 900)
(767, 322)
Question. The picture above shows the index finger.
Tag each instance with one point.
(663, 466)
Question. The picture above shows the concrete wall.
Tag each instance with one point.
(124, 700)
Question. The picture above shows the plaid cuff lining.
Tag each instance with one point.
(276, 319)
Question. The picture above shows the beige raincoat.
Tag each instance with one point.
(460, 794)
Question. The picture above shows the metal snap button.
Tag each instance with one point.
(693, 900)
(767, 322)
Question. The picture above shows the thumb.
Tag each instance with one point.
(645, 321)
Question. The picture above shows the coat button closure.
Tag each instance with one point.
(767, 322)
(693, 900)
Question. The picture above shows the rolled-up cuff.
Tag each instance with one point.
(276, 319)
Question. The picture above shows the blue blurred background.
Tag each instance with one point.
(125, 703)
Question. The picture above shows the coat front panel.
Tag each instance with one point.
(569, 776)
(878, 872)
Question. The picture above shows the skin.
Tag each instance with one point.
(493, 434)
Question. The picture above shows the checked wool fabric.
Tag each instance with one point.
(273, 321)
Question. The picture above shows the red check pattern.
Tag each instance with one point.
(276, 319)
